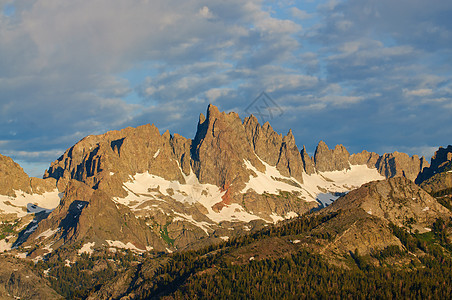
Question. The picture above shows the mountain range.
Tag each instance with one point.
(142, 191)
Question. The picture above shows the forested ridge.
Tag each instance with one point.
(422, 268)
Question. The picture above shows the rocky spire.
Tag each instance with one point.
(331, 160)
(308, 163)
(220, 148)
(289, 162)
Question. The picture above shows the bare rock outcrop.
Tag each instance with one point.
(308, 162)
(331, 160)
(13, 178)
(106, 161)
(361, 218)
(364, 158)
(289, 162)
(219, 150)
(400, 165)
(264, 140)
(275, 149)
(397, 200)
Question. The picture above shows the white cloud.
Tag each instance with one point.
(72, 68)
(300, 14)
(205, 12)
(418, 92)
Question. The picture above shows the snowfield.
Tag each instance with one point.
(24, 203)
(322, 187)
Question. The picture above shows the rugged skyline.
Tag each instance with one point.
(370, 75)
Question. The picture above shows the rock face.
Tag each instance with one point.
(389, 164)
(118, 154)
(365, 158)
(219, 150)
(331, 160)
(400, 164)
(274, 149)
(20, 194)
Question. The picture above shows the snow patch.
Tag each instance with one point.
(276, 218)
(296, 241)
(224, 238)
(268, 182)
(48, 233)
(32, 229)
(5, 246)
(21, 255)
(326, 187)
(183, 217)
(119, 244)
(23, 203)
(144, 187)
(426, 208)
(326, 199)
(291, 215)
(87, 248)
(323, 187)
(157, 153)
(169, 250)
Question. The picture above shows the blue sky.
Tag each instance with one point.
(374, 75)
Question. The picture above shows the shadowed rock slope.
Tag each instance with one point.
(17, 281)
(438, 177)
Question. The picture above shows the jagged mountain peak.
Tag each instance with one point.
(233, 171)
(331, 160)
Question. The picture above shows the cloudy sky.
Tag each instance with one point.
(369, 74)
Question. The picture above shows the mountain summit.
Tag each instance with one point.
(139, 189)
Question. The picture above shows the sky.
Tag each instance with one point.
(368, 74)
